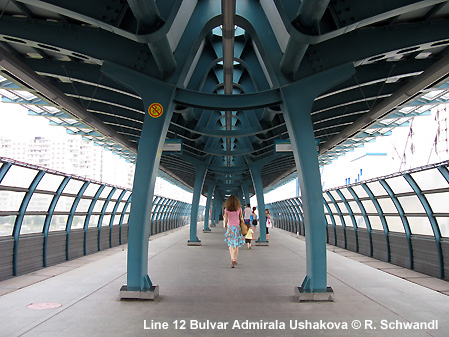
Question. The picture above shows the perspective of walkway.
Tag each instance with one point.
(200, 295)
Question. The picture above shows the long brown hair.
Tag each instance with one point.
(233, 203)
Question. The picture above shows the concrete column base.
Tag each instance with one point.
(303, 296)
(213, 225)
(207, 231)
(258, 243)
(151, 294)
(193, 243)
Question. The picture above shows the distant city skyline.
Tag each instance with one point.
(34, 133)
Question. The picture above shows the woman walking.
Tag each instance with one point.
(269, 224)
(234, 238)
(254, 220)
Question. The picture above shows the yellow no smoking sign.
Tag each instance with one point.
(155, 110)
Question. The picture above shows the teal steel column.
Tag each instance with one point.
(256, 175)
(404, 220)
(381, 216)
(49, 215)
(201, 170)
(245, 188)
(214, 210)
(158, 105)
(210, 191)
(89, 214)
(100, 218)
(21, 215)
(433, 222)
(296, 108)
(68, 226)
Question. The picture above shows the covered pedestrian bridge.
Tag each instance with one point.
(225, 97)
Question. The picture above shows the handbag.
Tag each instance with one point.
(243, 226)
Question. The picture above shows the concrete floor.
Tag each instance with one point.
(197, 285)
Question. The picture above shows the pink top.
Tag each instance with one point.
(234, 217)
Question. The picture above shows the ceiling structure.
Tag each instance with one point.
(52, 55)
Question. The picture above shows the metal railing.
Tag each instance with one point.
(47, 217)
(401, 218)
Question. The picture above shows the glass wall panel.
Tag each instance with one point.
(327, 198)
(411, 204)
(39, 202)
(91, 189)
(125, 219)
(106, 220)
(337, 220)
(64, 204)
(110, 206)
(93, 222)
(328, 219)
(346, 193)
(121, 205)
(369, 206)
(50, 182)
(78, 221)
(335, 195)
(10, 201)
(58, 222)
(359, 191)
(18, 176)
(83, 205)
(32, 224)
(360, 220)
(73, 186)
(376, 188)
(394, 224)
(333, 208)
(443, 223)
(420, 225)
(98, 205)
(399, 185)
(355, 207)
(105, 192)
(375, 222)
(387, 205)
(7, 224)
(439, 202)
(117, 219)
(348, 220)
(430, 179)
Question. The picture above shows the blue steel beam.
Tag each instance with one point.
(21, 215)
(351, 215)
(365, 217)
(381, 216)
(122, 216)
(100, 218)
(404, 220)
(89, 214)
(68, 226)
(48, 217)
(433, 222)
(343, 223)
(4, 170)
(334, 224)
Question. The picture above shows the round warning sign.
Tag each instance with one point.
(155, 110)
